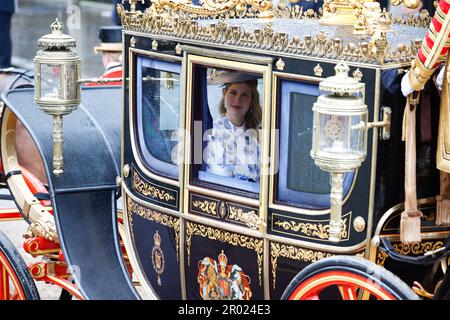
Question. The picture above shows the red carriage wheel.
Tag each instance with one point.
(15, 281)
(347, 278)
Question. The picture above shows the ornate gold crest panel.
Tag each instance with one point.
(222, 265)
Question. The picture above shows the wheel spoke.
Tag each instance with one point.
(346, 278)
(15, 280)
(4, 283)
(348, 292)
(15, 295)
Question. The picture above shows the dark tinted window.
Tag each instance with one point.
(158, 112)
(300, 181)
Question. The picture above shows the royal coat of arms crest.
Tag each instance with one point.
(221, 281)
(158, 257)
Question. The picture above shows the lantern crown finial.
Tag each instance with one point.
(57, 26)
(56, 39)
(341, 83)
(342, 69)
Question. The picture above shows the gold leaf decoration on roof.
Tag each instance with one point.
(213, 7)
(267, 38)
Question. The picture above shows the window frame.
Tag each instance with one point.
(151, 162)
(245, 64)
(133, 54)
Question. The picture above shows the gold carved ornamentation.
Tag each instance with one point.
(361, 254)
(250, 218)
(379, 47)
(161, 218)
(215, 7)
(209, 207)
(373, 50)
(341, 12)
(318, 70)
(280, 65)
(194, 229)
(178, 49)
(422, 20)
(222, 209)
(357, 74)
(158, 257)
(291, 252)
(410, 249)
(417, 248)
(381, 257)
(154, 45)
(43, 225)
(148, 190)
(312, 229)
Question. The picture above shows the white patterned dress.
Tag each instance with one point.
(232, 151)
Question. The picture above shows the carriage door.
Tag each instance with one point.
(226, 178)
(151, 188)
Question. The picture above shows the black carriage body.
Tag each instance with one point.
(198, 221)
(190, 234)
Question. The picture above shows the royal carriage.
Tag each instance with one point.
(190, 232)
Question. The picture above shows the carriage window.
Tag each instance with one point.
(227, 116)
(300, 181)
(158, 114)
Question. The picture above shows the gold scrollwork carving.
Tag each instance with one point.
(149, 214)
(311, 229)
(234, 239)
(187, 26)
(206, 206)
(287, 251)
(213, 7)
(44, 226)
(409, 249)
(149, 190)
(381, 257)
(417, 248)
(250, 218)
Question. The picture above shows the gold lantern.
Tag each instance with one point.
(340, 135)
(57, 71)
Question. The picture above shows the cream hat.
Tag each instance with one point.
(219, 76)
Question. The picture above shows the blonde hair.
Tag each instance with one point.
(253, 117)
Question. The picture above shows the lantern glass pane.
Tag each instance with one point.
(50, 81)
(342, 136)
(71, 78)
